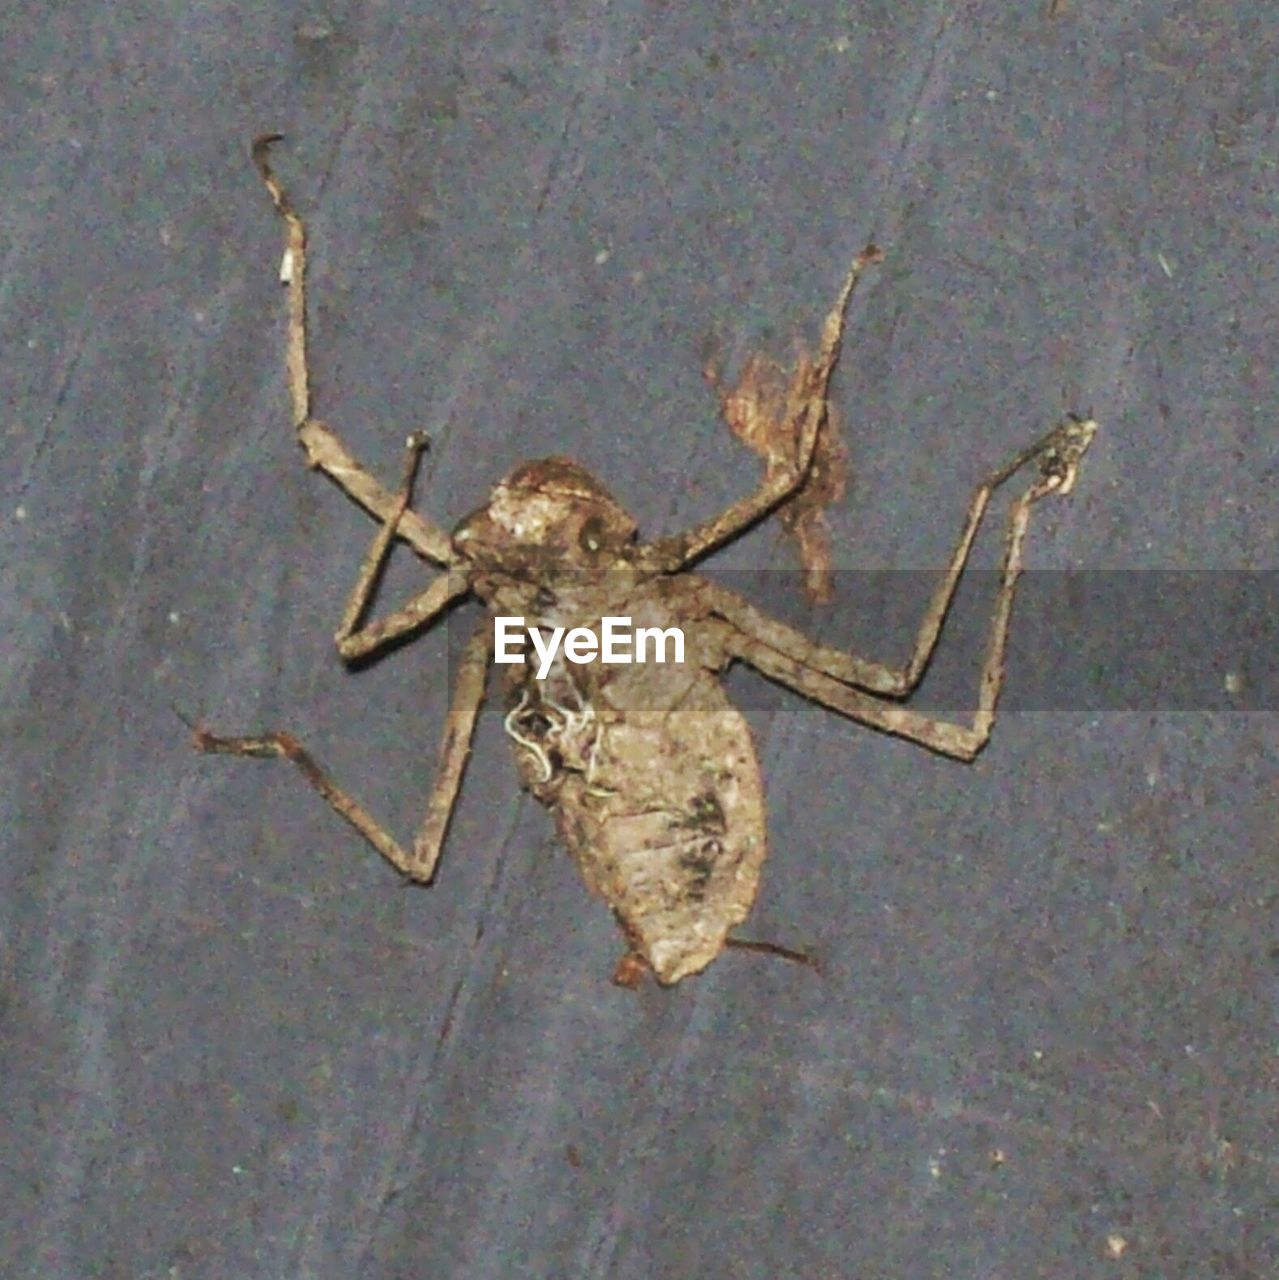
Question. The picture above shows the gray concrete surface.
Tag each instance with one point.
(231, 1043)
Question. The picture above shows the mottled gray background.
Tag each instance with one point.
(233, 1045)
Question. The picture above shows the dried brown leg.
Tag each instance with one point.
(773, 949)
(325, 451)
(419, 864)
(807, 404)
(323, 448)
(354, 641)
(1059, 454)
(962, 742)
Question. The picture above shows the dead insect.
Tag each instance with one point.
(649, 770)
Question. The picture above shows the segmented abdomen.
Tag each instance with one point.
(655, 786)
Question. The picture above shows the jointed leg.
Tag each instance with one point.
(354, 641)
(419, 863)
(806, 405)
(1058, 453)
(293, 274)
(963, 742)
(324, 449)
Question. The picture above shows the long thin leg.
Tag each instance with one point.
(1059, 454)
(806, 404)
(323, 448)
(419, 863)
(354, 641)
(962, 742)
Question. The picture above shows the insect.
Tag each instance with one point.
(649, 771)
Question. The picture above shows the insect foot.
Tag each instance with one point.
(1062, 452)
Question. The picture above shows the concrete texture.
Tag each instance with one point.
(231, 1044)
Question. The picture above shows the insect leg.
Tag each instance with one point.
(1058, 453)
(323, 447)
(807, 409)
(962, 742)
(354, 641)
(419, 863)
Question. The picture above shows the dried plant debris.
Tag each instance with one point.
(648, 769)
(764, 410)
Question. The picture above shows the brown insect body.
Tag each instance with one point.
(650, 772)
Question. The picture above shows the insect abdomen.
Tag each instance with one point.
(670, 831)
